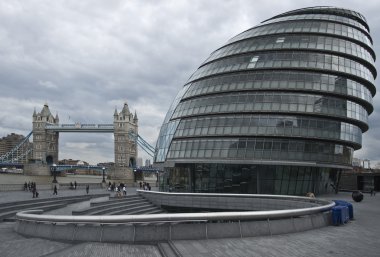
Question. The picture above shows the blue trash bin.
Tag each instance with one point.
(340, 215)
(349, 205)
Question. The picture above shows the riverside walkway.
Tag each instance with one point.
(359, 237)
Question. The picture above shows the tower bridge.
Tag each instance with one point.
(43, 153)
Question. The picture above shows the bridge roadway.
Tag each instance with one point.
(78, 127)
(360, 237)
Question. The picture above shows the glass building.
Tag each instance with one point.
(279, 109)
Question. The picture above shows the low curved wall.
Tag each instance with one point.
(179, 226)
(246, 202)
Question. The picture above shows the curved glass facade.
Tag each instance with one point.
(279, 109)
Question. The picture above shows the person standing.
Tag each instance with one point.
(87, 188)
(75, 184)
(124, 190)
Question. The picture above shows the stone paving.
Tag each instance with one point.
(360, 237)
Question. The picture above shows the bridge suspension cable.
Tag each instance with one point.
(142, 143)
(19, 153)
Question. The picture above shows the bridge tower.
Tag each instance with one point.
(125, 146)
(45, 142)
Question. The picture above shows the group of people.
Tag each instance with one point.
(120, 190)
(31, 187)
(145, 186)
(73, 186)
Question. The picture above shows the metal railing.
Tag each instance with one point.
(324, 205)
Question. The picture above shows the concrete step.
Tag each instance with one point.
(134, 211)
(118, 200)
(107, 210)
(36, 205)
(7, 215)
(111, 205)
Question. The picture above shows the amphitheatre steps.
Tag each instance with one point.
(127, 205)
(8, 210)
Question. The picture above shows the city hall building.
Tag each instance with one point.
(279, 109)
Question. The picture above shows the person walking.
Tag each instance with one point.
(34, 190)
(124, 190)
(55, 190)
(87, 188)
(75, 185)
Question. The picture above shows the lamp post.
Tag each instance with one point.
(55, 173)
(103, 169)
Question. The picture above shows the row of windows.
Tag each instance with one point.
(312, 42)
(328, 10)
(271, 102)
(266, 125)
(301, 60)
(295, 80)
(326, 17)
(261, 149)
(307, 27)
(248, 179)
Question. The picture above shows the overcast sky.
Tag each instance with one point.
(84, 58)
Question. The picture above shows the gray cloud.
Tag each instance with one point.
(85, 57)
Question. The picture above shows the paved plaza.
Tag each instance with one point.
(359, 237)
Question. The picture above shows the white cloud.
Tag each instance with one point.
(86, 57)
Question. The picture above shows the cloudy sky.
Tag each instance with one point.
(84, 58)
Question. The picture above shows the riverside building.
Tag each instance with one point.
(279, 109)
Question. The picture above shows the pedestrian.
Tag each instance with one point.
(87, 188)
(140, 185)
(124, 191)
(117, 194)
(75, 184)
(148, 186)
(25, 186)
(55, 190)
(34, 192)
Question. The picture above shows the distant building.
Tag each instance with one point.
(9, 142)
(73, 162)
(356, 162)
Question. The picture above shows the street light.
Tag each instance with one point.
(55, 173)
(103, 181)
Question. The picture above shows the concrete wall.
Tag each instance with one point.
(156, 232)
